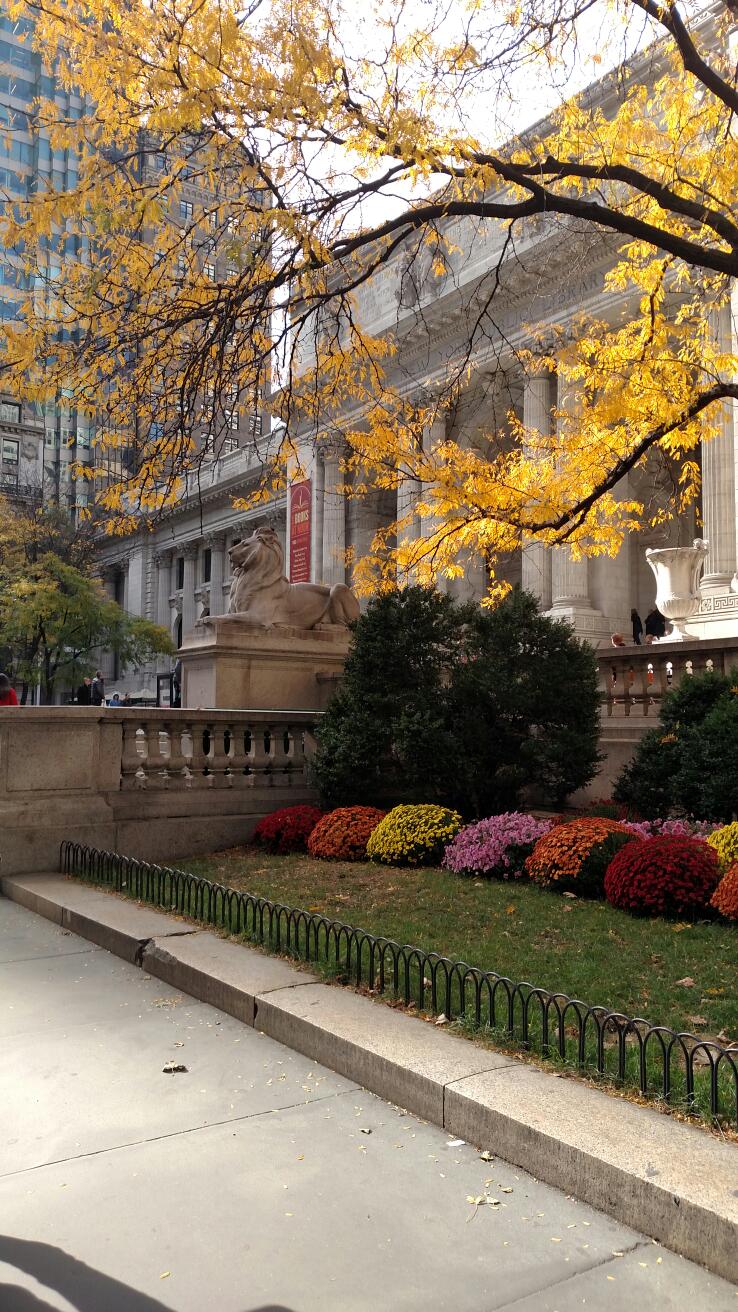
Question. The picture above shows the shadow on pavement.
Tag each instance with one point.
(85, 1288)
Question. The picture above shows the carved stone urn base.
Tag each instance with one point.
(229, 663)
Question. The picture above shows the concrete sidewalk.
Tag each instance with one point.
(256, 1179)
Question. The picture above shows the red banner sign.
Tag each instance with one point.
(301, 503)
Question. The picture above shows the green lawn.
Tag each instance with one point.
(681, 975)
(585, 949)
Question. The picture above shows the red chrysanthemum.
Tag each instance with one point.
(662, 876)
(288, 829)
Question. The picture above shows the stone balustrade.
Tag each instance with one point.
(634, 679)
(214, 749)
(159, 784)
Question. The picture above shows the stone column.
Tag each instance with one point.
(163, 588)
(434, 434)
(719, 482)
(189, 604)
(536, 556)
(124, 567)
(407, 500)
(334, 517)
(107, 576)
(570, 596)
(216, 543)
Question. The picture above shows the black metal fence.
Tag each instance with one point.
(697, 1074)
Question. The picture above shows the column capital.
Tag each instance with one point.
(216, 540)
(330, 446)
(538, 372)
(190, 550)
(163, 556)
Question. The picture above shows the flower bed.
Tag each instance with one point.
(498, 846)
(343, 834)
(413, 835)
(287, 830)
(662, 876)
(573, 857)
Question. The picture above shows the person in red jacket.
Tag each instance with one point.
(7, 692)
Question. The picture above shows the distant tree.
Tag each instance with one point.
(54, 616)
(444, 702)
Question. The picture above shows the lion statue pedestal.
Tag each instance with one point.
(282, 646)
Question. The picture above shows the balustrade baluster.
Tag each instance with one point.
(240, 742)
(281, 753)
(199, 760)
(219, 759)
(133, 774)
(260, 755)
(177, 763)
(156, 761)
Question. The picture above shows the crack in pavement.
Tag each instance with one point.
(176, 1134)
(574, 1275)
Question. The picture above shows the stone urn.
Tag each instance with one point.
(677, 572)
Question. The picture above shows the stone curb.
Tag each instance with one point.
(665, 1178)
(120, 927)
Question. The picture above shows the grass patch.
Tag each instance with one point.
(584, 949)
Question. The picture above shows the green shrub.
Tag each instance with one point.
(459, 706)
(710, 763)
(689, 763)
(413, 835)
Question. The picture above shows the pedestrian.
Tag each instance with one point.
(84, 692)
(637, 625)
(177, 683)
(655, 624)
(97, 689)
(7, 692)
(617, 640)
(126, 699)
(114, 700)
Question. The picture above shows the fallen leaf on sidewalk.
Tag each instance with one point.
(174, 1068)
(164, 1275)
(486, 1156)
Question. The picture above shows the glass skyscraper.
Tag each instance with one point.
(37, 450)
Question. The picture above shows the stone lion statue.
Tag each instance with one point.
(261, 593)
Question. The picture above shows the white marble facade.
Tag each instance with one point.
(179, 571)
